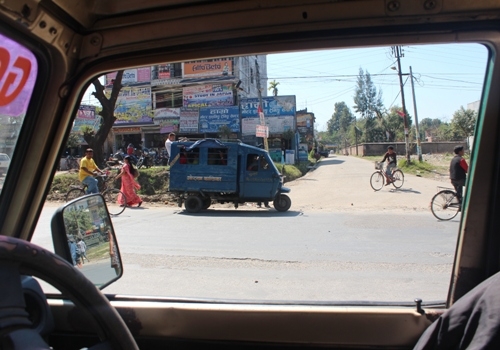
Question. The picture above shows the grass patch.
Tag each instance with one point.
(291, 172)
(422, 168)
(431, 165)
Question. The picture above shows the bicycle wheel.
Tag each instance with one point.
(115, 201)
(445, 205)
(398, 178)
(74, 193)
(377, 180)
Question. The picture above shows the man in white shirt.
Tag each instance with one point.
(168, 143)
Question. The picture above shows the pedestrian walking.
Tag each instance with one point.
(130, 185)
(82, 250)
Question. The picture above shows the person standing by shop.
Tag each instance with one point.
(168, 143)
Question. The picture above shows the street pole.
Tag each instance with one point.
(356, 135)
(417, 132)
(397, 52)
(262, 118)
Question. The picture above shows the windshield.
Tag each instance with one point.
(360, 226)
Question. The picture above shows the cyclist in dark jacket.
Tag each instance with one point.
(390, 156)
(458, 171)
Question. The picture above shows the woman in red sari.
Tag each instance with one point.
(129, 184)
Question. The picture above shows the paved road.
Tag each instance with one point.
(385, 246)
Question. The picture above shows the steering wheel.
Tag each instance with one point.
(19, 257)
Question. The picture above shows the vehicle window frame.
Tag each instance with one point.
(28, 128)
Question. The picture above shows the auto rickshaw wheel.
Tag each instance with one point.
(207, 202)
(193, 204)
(282, 202)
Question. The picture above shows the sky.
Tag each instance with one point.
(446, 77)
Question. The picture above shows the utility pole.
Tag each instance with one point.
(261, 109)
(417, 132)
(396, 50)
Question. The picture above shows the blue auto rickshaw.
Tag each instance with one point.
(211, 171)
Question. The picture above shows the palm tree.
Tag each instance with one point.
(273, 86)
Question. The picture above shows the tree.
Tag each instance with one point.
(464, 123)
(73, 140)
(340, 122)
(273, 85)
(96, 139)
(224, 132)
(341, 119)
(77, 221)
(428, 126)
(392, 124)
(368, 102)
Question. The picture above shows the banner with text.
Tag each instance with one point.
(211, 119)
(207, 68)
(207, 96)
(279, 114)
(189, 120)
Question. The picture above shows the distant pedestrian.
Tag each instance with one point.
(458, 171)
(82, 250)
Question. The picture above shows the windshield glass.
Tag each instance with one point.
(340, 127)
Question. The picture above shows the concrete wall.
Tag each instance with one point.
(376, 149)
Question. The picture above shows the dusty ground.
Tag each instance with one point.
(342, 183)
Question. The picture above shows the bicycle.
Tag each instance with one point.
(109, 193)
(445, 204)
(378, 178)
(71, 163)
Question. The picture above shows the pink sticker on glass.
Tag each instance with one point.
(18, 72)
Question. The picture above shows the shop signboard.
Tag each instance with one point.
(85, 116)
(133, 105)
(212, 118)
(168, 119)
(279, 114)
(189, 120)
(276, 125)
(131, 76)
(207, 68)
(208, 95)
(162, 113)
(304, 122)
(262, 131)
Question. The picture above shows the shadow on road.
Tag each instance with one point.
(239, 213)
(405, 190)
(330, 161)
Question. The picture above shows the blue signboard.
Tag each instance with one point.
(211, 119)
(272, 106)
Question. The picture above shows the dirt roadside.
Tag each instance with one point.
(342, 183)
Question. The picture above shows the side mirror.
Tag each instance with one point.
(82, 234)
